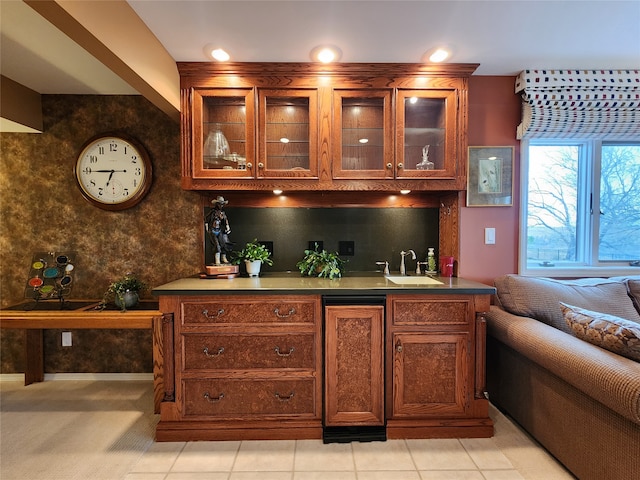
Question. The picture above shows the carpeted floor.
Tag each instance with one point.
(99, 430)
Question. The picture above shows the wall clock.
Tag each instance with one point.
(113, 171)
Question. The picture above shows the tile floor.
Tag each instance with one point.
(510, 455)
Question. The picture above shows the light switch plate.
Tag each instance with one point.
(490, 236)
(66, 339)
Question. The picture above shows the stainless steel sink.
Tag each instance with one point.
(411, 280)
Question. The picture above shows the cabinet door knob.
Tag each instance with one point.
(389, 166)
(399, 347)
(260, 165)
(400, 165)
(249, 165)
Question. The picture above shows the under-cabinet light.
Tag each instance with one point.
(405, 192)
(277, 191)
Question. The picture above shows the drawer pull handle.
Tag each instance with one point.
(205, 312)
(211, 399)
(220, 351)
(292, 311)
(282, 354)
(284, 399)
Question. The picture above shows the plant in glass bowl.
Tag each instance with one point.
(321, 263)
(253, 254)
(125, 292)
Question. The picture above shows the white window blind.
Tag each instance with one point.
(603, 104)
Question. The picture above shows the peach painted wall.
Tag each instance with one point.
(494, 113)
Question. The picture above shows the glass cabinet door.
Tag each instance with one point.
(288, 133)
(362, 136)
(223, 143)
(426, 123)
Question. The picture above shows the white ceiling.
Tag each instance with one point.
(504, 37)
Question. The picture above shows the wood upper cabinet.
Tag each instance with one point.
(288, 133)
(222, 143)
(362, 134)
(426, 133)
(348, 127)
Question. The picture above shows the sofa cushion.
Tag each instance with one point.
(633, 288)
(607, 331)
(540, 298)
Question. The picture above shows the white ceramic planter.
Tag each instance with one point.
(253, 267)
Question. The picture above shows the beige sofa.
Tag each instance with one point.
(579, 400)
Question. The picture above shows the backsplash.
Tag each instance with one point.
(378, 234)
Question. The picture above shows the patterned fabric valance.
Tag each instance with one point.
(601, 104)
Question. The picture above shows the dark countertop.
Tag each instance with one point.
(353, 283)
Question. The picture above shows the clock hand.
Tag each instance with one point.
(109, 179)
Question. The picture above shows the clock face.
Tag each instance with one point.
(113, 172)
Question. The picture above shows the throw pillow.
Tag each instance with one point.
(607, 331)
(540, 298)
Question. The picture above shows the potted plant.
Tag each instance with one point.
(253, 254)
(321, 264)
(125, 292)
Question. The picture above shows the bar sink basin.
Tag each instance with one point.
(409, 280)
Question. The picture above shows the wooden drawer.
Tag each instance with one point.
(237, 351)
(229, 397)
(251, 311)
(436, 311)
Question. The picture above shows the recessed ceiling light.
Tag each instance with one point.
(216, 53)
(437, 55)
(326, 54)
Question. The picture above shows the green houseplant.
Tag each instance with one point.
(253, 254)
(125, 291)
(321, 263)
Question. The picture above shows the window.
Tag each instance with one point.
(580, 207)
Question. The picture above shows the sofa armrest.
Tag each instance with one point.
(609, 378)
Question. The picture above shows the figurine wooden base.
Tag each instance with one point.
(222, 269)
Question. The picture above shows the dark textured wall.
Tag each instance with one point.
(42, 210)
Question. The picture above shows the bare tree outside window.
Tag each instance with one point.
(560, 204)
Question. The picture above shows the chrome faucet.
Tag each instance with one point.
(403, 269)
(386, 267)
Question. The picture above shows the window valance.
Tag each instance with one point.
(601, 104)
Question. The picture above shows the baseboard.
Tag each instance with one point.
(19, 377)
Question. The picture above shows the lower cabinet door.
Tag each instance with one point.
(354, 365)
(430, 374)
(248, 397)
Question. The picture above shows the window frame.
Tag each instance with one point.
(587, 232)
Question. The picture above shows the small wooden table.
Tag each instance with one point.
(35, 317)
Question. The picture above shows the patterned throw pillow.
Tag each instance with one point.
(613, 333)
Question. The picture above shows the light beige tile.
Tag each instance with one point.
(451, 475)
(265, 456)
(261, 476)
(485, 453)
(503, 475)
(206, 457)
(315, 456)
(198, 476)
(144, 476)
(389, 455)
(324, 475)
(160, 457)
(389, 475)
(440, 454)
